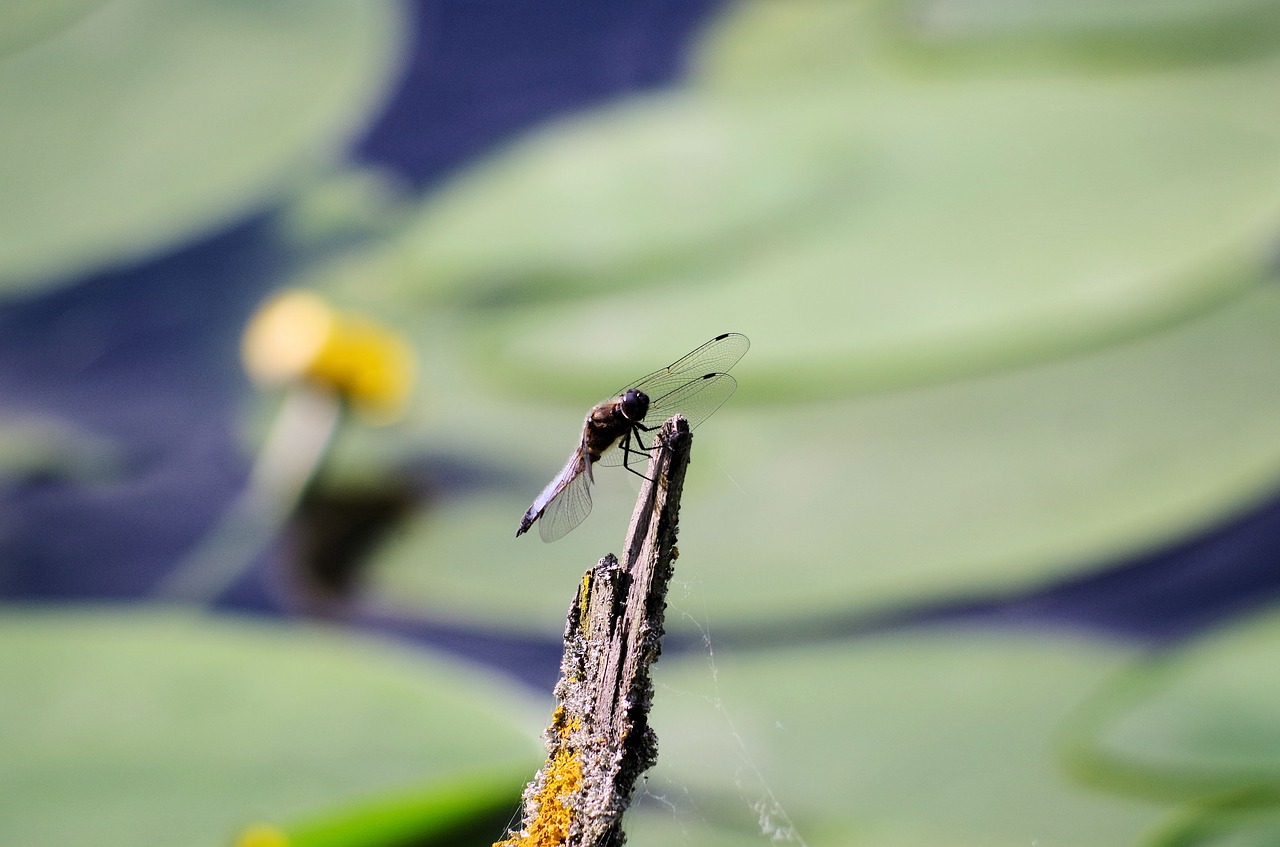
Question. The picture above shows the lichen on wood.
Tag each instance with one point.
(599, 741)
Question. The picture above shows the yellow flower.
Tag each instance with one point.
(298, 337)
(262, 835)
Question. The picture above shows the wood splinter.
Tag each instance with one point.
(599, 740)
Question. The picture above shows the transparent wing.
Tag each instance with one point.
(696, 399)
(567, 509)
(615, 456)
(716, 356)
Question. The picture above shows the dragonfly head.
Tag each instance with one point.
(634, 405)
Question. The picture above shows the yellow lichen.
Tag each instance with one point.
(584, 600)
(561, 781)
(571, 727)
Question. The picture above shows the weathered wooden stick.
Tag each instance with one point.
(599, 741)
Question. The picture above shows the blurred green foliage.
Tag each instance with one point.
(1197, 723)
(146, 124)
(168, 728)
(1005, 267)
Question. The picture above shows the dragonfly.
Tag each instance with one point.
(695, 385)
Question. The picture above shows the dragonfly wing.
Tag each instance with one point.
(567, 509)
(615, 456)
(716, 356)
(696, 399)
(574, 467)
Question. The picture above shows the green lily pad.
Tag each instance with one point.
(992, 226)
(796, 512)
(759, 45)
(916, 738)
(467, 810)
(1225, 825)
(1201, 721)
(624, 192)
(1102, 34)
(755, 46)
(898, 232)
(137, 728)
(200, 112)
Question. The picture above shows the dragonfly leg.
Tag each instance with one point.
(628, 450)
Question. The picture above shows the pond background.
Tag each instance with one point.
(982, 550)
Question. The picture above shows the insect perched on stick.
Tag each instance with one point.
(694, 385)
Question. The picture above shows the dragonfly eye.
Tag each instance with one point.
(635, 405)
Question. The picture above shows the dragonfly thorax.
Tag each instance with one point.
(634, 405)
